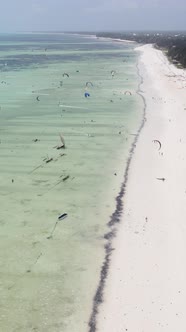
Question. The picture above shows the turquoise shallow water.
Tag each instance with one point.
(48, 280)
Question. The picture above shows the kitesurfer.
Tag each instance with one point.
(113, 73)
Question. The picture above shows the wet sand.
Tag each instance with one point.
(145, 287)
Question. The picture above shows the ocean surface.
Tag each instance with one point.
(50, 268)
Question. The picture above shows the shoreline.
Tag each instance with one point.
(133, 296)
(115, 219)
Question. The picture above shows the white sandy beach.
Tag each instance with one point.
(146, 286)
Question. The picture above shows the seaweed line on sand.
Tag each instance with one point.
(114, 220)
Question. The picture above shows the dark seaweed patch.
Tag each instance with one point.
(23, 61)
(114, 220)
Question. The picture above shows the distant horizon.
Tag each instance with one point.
(96, 31)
